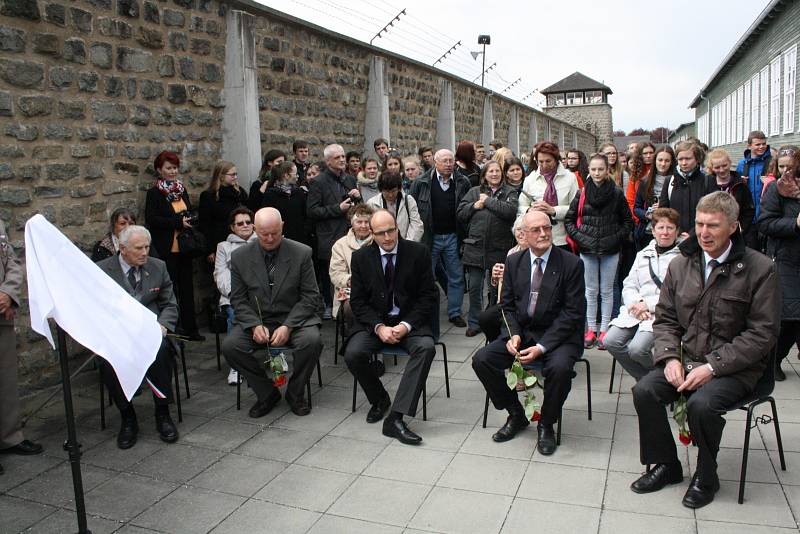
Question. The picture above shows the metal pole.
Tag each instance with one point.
(483, 64)
(72, 446)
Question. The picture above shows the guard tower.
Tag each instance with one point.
(583, 102)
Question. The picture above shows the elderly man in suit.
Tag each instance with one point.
(11, 439)
(545, 304)
(393, 297)
(147, 280)
(275, 302)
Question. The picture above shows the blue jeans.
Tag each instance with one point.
(446, 247)
(229, 311)
(599, 275)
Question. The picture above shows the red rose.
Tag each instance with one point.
(279, 381)
(536, 416)
(686, 438)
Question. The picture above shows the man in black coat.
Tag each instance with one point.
(544, 302)
(393, 298)
(330, 196)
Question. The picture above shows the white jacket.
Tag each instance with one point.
(222, 265)
(409, 223)
(339, 270)
(639, 285)
(533, 189)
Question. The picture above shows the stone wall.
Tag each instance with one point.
(92, 90)
(594, 118)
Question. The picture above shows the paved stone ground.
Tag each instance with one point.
(332, 472)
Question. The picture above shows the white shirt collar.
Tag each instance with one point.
(722, 257)
(545, 257)
(393, 251)
(123, 264)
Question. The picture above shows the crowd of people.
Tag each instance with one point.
(559, 251)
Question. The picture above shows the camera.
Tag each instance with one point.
(352, 198)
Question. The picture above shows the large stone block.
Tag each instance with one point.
(72, 110)
(11, 152)
(186, 68)
(83, 191)
(23, 9)
(88, 133)
(102, 55)
(57, 131)
(114, 27)
(176, 93)
(22, 132)
(61, 77)
(201, 46)
(87, 81)
(173, 18)
(183, 116)
(26, 74)
(109, 113)
(14, 196)
(80, 151)
(178, 41)
(6, 172)
(82, 20)
(62, 171)
(12, 39)
(115, 187)
(211, 73)
(93, 171)
(128, 8)
(45, 152)
(45, 191)
(134, 60)
(55, 14)
(29, 172)
(162, 116)
(150, 12)
(35, 106)
(140, 115)
(114, 86)
(166, 66)
(75, 51)
(72, 216)
(151, 89)
(188, 4)
(148, 38)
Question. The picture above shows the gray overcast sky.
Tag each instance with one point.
(654, 57)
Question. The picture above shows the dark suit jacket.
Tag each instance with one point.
(561, 307)
(161, 220)
(154, 292)
(414, 289)
(295, 297)
(325, 193)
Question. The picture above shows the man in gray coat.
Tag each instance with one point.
(11, 438)
(145, 279)
(275, 302)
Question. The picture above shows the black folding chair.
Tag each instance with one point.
(274, 351)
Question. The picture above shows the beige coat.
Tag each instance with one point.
(533, 189)
(409, 223)
(340, 263)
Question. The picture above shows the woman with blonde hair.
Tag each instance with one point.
(222, 196)
(501, 156)
(615, 168)
(718, 165)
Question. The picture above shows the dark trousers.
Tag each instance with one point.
(789, 335)
(248, 357)
(705, 406)
(490, 322)
(362, 345)
(324, 281)
(159, 374)
(490, 362)
(179, 268)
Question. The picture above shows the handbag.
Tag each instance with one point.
(191, 243)
(573, 245)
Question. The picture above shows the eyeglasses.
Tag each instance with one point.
(384, 233)
(242, 223)
(231, 174)
(538, 229)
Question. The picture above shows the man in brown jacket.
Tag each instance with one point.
(717, 320)
(11, 439)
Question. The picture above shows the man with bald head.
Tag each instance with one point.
(393, 299)
(544, 304)
(276, 302)
(438, 194)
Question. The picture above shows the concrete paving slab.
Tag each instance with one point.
(307, 488)
(460, 512)
(189, 511)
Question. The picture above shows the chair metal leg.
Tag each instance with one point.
(319, 374)
(239, 392)
(558, 431)
(177, 390)
(446, 371)
(219, 350)
(777, 433)
(336, 332)
(102, 405)
(613, 373)
(183, 364)
(485, 410)
(745, 451)
(308, 392)
(588, 386)
(355, 391)
(424, 403)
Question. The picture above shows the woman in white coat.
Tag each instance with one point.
(630, 338)
(240, 222)
(402, 205)
(550, 188)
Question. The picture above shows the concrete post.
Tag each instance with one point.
(446, 119)
(487, 130)
(377, 121)
(513, 131)
(533, 131)
(241, 125)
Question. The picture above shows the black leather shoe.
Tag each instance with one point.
(547, 440)
(298, 406)
(166, 428)
(458, 321)
(128, 433)
(514, 424)
(658, 477)
(377, 411)
(24, 448)
(700, 492)
(472, 332)
(780, 376)
(263, 407)
(396, 428)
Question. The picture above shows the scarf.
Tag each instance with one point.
(550, 195)
(789, 186)
(660, 250)
(600, 195)
(172, 189)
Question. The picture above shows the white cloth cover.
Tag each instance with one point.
(65, 285)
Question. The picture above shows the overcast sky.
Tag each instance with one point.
(654, 58)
